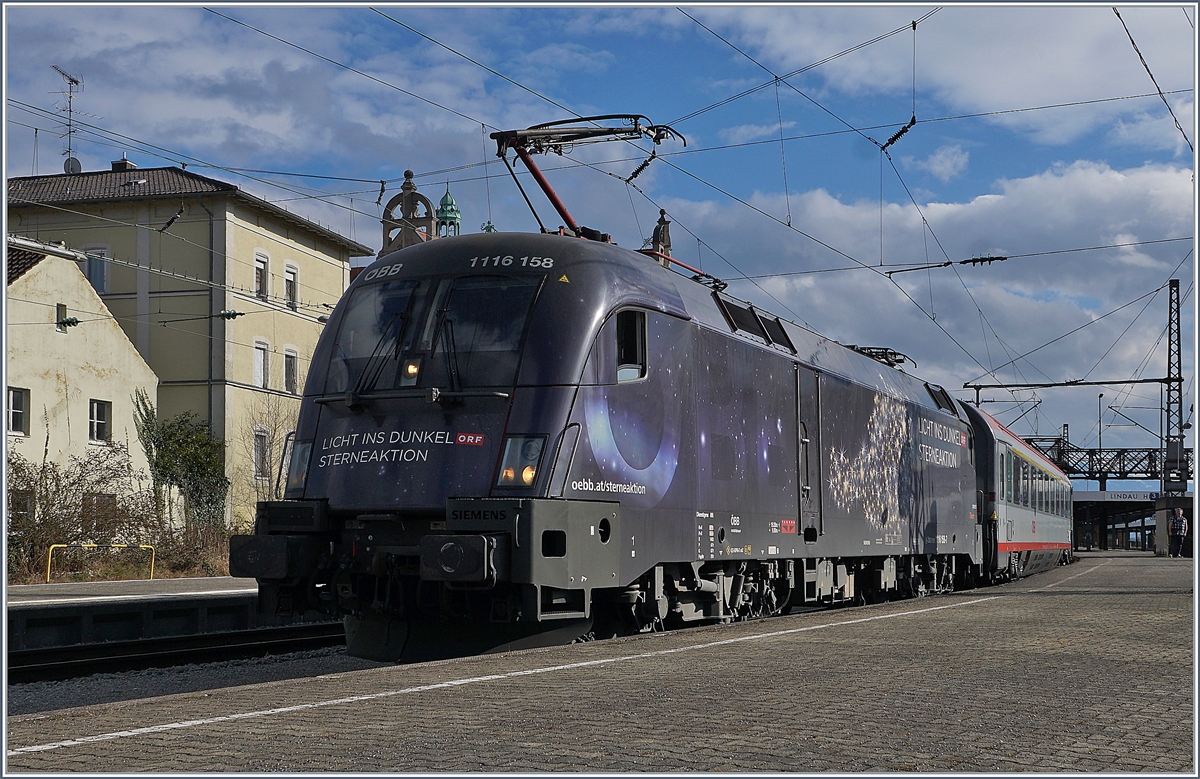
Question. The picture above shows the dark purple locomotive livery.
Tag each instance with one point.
(510, 439)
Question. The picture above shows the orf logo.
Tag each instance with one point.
(469, 439)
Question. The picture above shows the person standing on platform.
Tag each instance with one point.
(1177, 528)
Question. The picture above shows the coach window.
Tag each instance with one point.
(1008, 475)
(631, 346)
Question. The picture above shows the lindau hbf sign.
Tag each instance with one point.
(1109, 496)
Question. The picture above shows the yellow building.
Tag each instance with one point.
(224, 295)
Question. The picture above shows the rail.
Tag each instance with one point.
(66, 662)
(50, 553)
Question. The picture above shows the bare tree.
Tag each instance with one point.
(262, 446)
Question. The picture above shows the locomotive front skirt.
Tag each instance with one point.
(511, 439)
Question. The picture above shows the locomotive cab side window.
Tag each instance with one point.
(631, 346)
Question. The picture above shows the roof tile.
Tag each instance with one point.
(112, 185)
(138, 184)
(20, 261)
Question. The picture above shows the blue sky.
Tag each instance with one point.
(1111, 169)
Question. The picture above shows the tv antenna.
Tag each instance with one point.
(71, 165)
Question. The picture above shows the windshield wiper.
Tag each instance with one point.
(373, 368)
(445, 330)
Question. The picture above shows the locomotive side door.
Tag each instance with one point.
(809, 451)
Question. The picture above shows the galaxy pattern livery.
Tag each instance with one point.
(512, 439)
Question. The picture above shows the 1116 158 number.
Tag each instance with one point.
(508, 261)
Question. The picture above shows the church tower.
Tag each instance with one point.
(449, 220)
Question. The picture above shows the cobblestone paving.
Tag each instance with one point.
(1085, 668)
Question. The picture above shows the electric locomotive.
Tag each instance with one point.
(513, 439)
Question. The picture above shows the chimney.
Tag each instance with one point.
(123, 164)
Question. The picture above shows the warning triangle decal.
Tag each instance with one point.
(564, 278)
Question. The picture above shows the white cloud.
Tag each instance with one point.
(1025, 301)
(751, 132)
(976, 59)
(1157, 129)
(946, 163)
(185, 79)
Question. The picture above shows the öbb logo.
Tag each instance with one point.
(469, 439)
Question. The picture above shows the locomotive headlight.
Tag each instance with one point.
(409, 372)
(521, 459)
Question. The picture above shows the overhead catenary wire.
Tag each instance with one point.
(798, 71)
(248, 293)
(150, 228)
(978, 261)
(109, 315)
(286, 42)
(883, 150)
(175, 157)
(1178, 126)
(789, 210)
(1074, 330)
(777, 78)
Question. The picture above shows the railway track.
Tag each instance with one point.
(67, 662)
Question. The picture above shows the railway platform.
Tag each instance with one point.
(44, 616)
(1087, 667)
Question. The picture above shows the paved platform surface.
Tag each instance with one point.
(80, 592)
(1085, 668)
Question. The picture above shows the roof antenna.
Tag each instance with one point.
(71, 165)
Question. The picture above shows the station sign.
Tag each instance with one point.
(1111, 496)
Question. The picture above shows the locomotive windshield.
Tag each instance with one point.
(435, 332)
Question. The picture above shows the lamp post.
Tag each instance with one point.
(1100, 442)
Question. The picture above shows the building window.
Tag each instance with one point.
(99, 420)
(98, 514)
(60, 317)
(18, 410)
(95, 268)
(260, 276)
(290, 290)
(20, 507)
(262, 455)
(262, 364)
(291, 372)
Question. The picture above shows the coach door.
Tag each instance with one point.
(808, 396)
